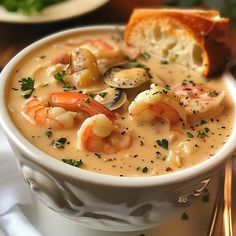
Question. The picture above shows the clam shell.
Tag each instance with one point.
(127, 76)
(112, 98)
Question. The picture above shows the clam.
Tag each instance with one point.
(129, 75)
(112, 98)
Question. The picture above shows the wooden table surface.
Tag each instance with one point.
(14, 37)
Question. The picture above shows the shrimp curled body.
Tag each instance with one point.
(200, 101)
(101, 135)
(157, 103)
(59, 109)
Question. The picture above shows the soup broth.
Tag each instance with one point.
(183, 120)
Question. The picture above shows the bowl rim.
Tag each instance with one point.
(46, 161)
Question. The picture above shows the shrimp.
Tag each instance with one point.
(157, 103)
(58, 110)
(99, 44)
(38, 113)
(99, 47)
(63, 58)
(200, 101)
(101, 135)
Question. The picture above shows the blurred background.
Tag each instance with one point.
(16, 34)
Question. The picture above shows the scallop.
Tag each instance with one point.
(128, 75)
(112, 98)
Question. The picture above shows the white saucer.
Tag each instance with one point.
(56, 12)
(50, 223)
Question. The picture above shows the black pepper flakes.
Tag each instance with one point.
(169, 169)
(145, 169)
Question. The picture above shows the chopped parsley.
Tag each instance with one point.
(190, 135)
(60, 76)
(164, 62)
(103, 94)
(184, 216)
(213, 94)
(133, 63)
(72, 162)
(92, 95)
(145, 56)
(67, 87)
(49, 133)
(163, 143)
(206, 129)
(201, 134)
(27, 86)
(60, 143)
(164, 158)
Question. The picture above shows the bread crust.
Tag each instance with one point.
(206, 27)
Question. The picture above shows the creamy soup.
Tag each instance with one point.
(83, 101)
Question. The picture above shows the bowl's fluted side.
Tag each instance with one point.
(108, 207)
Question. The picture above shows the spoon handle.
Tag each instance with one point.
(221, 222)
(227, 229)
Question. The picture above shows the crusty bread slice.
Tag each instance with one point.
(195, 39)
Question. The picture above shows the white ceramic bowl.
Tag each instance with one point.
(101, 201)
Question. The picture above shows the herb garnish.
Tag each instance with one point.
(60, 143)
(164, 158)
(133, 63)
(103, 95)
(49, 133)
(73, 162)
(163, 143)
(60, 77)
(92, 95)
(213, 94)
(202, 122)
(27, 86)
(145, 56)
(206, 129)
(201, 134)
(164, 62)
(190, 135)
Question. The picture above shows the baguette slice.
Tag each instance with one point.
(195, 39)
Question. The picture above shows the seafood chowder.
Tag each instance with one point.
(91, 102)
